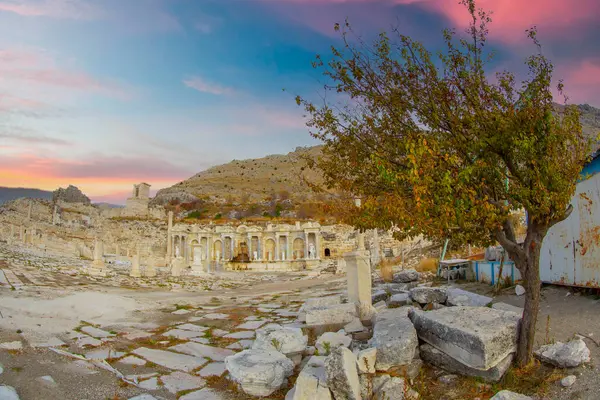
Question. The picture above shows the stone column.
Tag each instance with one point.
(29, 210)
(249, 240)
(169, 239)
(318, 245)
(375, 257)
(98, 266)
(135, 265)
(289, 252)
(55, 217)
(358, 273)
(277, 253)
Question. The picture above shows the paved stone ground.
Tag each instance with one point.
(173, 348)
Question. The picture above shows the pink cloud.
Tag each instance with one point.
(582, 80)
(71, 9)
(37, 67)
(202, 85)
(510, 17)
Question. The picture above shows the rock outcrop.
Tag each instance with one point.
(70, 195)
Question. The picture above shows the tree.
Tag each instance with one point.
(437, 147)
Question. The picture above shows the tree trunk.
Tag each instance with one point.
(527, 261)
(532, 285)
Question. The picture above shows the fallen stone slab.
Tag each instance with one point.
(132, 360)
(425, 295)
(354, 326)
(329, 341)
(396, 342)
(379, 295)
(338, 314)
(213, 369)
(202, 350)
(202, 394)
(88, 341)
(399, 300)
(395, 288)
(192, 327)
(564, 355)
(252, 325)
(103, 354)
(365, 361)
(508, 395)
(479, 337)
(168, 359)
(52, 342)
(392, 389)
(320, 302)
(16, 345)
(286, 340)
(240, 335)
(342, 374)
(312, 381)
(259, 372)
(459, 297)
(216, 316)
(150, 384)
(507, 307)
(180, 381)
(438, 358)
(8, 393)
(391, 313)
(406, 276)
(183, 334)
(96, 332)
(202, 340)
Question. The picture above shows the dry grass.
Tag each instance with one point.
(535, 379)
(387, 273)
(428, 265)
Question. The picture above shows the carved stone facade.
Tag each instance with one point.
(212, 248)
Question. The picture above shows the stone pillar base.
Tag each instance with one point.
(358, 273)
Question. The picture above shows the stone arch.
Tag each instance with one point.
(227, 251)
(194, 251)
(327, 252)
(298, 249)
(270, 249)
(176, 245)
(204, 247)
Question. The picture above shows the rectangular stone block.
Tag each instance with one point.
(459, 297)
(479, 337)
(438, 358)
(395, 340)
(338, 314)
(507, 307)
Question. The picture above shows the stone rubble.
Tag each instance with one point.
(564, 355)
(342, 374)
(329, 341)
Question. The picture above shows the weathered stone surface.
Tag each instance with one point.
(96, 332)
(192, 327)
(395, 288)
(564, 355)
(240, 335)
(426, 295)
(329, 341)
(202, 394)
(259, 372)
(406, 276)
(508, 395)
(180, 381)
(337, 314)
(379, 295)
(312, 381)
(213, 369)
(399, 300)
(354, 326)
(519, 290)
(132, 360)
(410, 371)
(392, 389)
(16, 345)
(70, 195)
(365, 360)
(366, 386)
(459, 297)
(479, 337)
(507, 307)
(568, 381)
(202, 350)
(435, 357)
(103, 354)
(342, 375)
(320, 302)
(251, 325)
(282, 339)
(1, 369)
(170, 360)
(396, 342)
(8, 393)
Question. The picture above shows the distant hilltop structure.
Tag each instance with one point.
(71, 194)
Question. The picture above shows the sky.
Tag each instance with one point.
(103, 94)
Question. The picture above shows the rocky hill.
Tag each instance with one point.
(258, 182)
(8, 194)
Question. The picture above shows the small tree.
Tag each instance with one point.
(437, 147)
